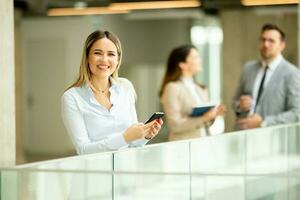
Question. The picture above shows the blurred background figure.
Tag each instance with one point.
(269, 89)
(180, 93)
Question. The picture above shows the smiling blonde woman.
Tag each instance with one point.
(98, 109)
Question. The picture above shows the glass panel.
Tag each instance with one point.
(100, 161)
(230, 166)
(294, 188)
(167, 187)
(224, 187)
(198, 187)
(294, 149)
(8, 186)
(267, 150)
(171, 157)
(55, 185)
(266, 188)
(218, 154)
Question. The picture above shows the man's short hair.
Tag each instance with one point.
(267, 27)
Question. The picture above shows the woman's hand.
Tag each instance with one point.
(221, 109)
(210, 115)
(141, 131)
(155, 128)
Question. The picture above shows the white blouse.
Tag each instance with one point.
(192, 87)
(92, 127)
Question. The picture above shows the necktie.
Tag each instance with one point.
(261, 87)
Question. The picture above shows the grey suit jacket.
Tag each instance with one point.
(280, 100)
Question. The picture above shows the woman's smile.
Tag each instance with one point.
(103, 67)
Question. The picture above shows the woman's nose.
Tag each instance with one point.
(104, 58)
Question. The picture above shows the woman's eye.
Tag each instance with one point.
(111, 54)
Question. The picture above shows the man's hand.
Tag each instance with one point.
(245, 103)
(253, 121)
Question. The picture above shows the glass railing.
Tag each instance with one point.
(258, 164)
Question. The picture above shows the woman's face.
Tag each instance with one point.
(193, 63)
(103, 58)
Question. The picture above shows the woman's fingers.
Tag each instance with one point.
(155, 128)
(221, 109)
(146, 128)
(160, 121)
(140, 130)
(149, 124)
(151, 129)
(153, 123)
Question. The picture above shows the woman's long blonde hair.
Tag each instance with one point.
(84, 70)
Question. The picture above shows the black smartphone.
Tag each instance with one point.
(155, 116)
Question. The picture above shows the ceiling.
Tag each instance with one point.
(41, 7)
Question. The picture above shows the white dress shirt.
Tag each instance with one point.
(271, 68)
(92, 127)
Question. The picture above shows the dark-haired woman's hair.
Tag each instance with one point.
(174, 72)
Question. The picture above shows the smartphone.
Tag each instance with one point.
(155, 116)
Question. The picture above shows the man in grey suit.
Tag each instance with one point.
(269, 89)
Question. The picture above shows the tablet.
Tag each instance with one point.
(199, 111)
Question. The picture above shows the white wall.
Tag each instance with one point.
(51, 56)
